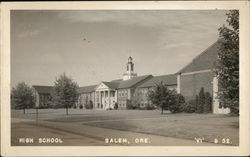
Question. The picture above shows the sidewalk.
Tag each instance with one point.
(112, 136)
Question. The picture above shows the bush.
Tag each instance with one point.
(207, 108)
(89, 105)
(150, 107)
(57, 106)
(174, 108)
(81, 107)
(196, 102)
(201, 101)
(116, 106)
(189, 107)
(44, 107)
(131, 106)
(179, 101)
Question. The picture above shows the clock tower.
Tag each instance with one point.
(130, 70)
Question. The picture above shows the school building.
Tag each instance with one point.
(132, 88)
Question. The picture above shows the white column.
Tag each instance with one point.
(215, 95)
(37, 99)
(109, 98)
(129, 94)
(179, 83)
(104, 105)
(100, 99)
(116, 93)
(95, 104)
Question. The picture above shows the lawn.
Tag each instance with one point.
(181, 125)
(186, 126)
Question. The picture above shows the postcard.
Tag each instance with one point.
(125, 78)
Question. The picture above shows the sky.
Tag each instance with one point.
(92, 46)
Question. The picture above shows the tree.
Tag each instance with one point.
(201, 101)
(179, 102)
(116, 106)
(89, 104)
(65, 92)
(227, 68)
(162, 97)
(135, 100)
(196, 102)
(22, 96)
(208, 103)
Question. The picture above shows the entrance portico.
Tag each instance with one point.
(105, 97)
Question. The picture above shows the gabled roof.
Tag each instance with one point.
(133, 81)
(87, 89)
(170, 79)
(43, 89)
(118, 80)
(112, 85)
(206, 60)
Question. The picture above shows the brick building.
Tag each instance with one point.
(134, 89)
(200, 74)
(86, 95)
(142, 90)
(43, 95)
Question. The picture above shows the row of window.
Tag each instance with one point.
(122, 94)
(122, 103)
(44, 99)
(111, 94)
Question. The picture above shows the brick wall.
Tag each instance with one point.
(191, 84)
(85, 98)
(122, 97)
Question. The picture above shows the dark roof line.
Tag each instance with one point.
(170, 79)
(178, 72)
(133, 82)
(43, 89)
(112, 85)
(87, 89)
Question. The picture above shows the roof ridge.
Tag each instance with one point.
(204, 51)
(165, 75)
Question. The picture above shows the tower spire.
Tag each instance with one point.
(130, 70)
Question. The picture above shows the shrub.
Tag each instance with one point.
(132, 106)
(208, 103)
(116, 106)
(201, 101)
(150, 107)
(89, 105)
(179, 101)
(189, 107)
(163, 97)
(196, 102)
(81, 107)
(57, 106)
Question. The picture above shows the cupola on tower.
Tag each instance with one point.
(130, 70)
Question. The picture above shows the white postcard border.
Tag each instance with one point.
(8, 150)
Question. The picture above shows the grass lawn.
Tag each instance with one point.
(186, 126)
(181, 125)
